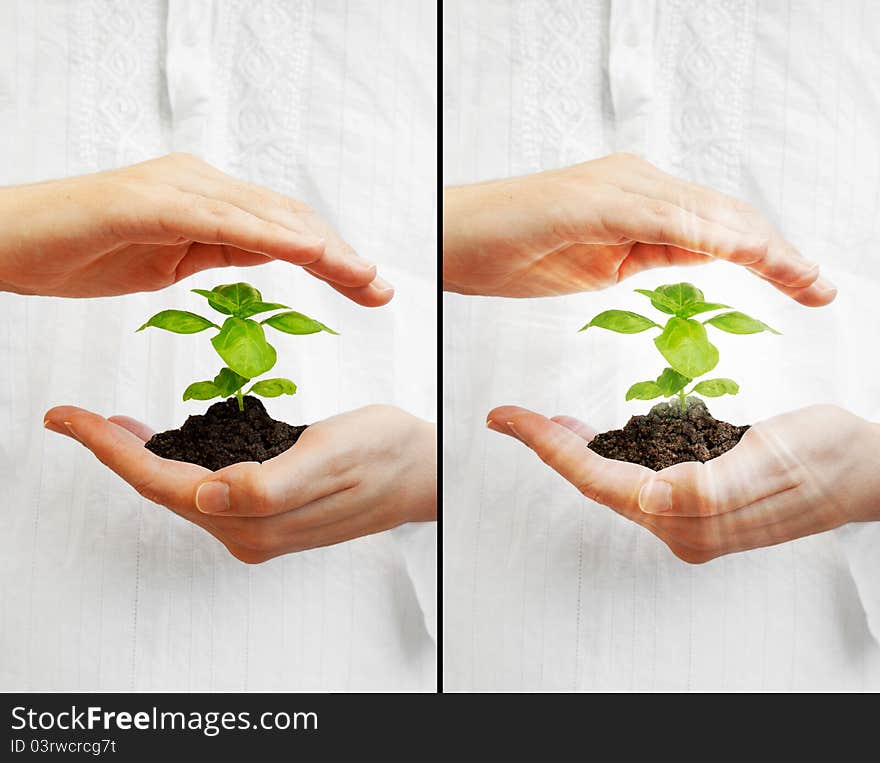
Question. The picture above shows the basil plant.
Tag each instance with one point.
(683, 341)
(240, 341)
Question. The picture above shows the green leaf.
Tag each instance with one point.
(239, 293)
(671, 382)
(296, 323)
(621, 321)
(686, 347)
(701, 307)
(673, 298)
(717, 387)
(242, 345)
(739, 323)
(201, 390)
(228, 382)
(273, 388)
(658, 300)
(681, 294)
(646, 390)
(179, 321)
(231, 298)
(252, 308)
(220, 303)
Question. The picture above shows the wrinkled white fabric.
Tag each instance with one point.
(333, 103)
(775, 103)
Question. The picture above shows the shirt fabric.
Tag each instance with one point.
(774, 103)
(332, 102)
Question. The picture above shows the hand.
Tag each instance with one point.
(797, 474)
(351, 475)
(145, 227)
(589, 226)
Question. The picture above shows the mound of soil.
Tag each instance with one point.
(668, 435)
(225, 435)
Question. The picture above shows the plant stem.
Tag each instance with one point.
(240, 399)
(681, 397)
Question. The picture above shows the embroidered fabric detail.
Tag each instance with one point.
(118, 94)
(562, 45)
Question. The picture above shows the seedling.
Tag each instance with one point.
(241, 342)
(683, 341)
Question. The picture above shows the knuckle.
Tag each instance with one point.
(657, 209)
(626, 157)
(184, 158)
(297, 206)
(588, 490)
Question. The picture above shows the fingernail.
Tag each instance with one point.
(53, 427)
(212, 497)
(381, 284)
(655, 497)
(495, 427)
(824, 285)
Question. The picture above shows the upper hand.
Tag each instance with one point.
(588, 226)
(796, 474)
(147, 226)
(347, 476)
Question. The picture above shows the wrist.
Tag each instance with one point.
(454, 247)
(865, 506)
(423, 504)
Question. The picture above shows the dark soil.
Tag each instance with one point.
(668, 435)
(225, 435)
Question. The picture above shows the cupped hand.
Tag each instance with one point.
(147, 226)
(351, 475)
(797, 474)
(588, 226)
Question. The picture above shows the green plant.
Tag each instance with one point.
(241, 341)
(683, 341)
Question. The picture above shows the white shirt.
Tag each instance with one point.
(776, 103)
(330, 102)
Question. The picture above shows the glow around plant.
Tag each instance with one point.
(683, 340)
(241, 341)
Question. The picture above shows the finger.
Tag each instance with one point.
(759, 466)
(582, 430)
(171, 483)
(781, 262)
(134, 426)
(375, 294)
(201, 257)
(308, 471)
(210, 221)
(654, 221)
(817, 294)
(612, 483)
(338, 263)
(646, 256)
(821, 292)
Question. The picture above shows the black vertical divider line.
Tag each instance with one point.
(439, 255)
